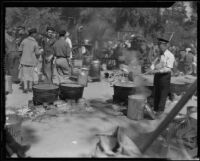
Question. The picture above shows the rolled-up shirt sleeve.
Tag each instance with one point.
(20, 49)
(68, 50)
(168, 63)
(37, 49)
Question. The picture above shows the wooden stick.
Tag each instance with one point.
(171, 36)
(163, 125)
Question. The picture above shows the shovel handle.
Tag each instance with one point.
(163, 125)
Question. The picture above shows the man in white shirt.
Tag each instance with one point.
(68, 40)
(162, 69)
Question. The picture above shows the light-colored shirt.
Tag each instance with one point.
(166, 63)
(68, 40)
(29, 48)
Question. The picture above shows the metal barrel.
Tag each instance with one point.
(9, 84)
(95, 69)
(83, 77)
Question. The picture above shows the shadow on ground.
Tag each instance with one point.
(28, 135)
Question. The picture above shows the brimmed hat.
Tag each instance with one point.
(20, 27)
(87, 43)
(188, 49)
(67, 33)
(32, 31)
(50, 28)
(62, 32)
(162, 41)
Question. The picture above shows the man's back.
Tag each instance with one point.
(61, 48)
(189, 58)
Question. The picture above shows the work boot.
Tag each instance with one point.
(158, 114)
(22, 150)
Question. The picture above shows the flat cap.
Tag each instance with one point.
(163, 41)
(50, 28)
(62, 32)
(32, 31)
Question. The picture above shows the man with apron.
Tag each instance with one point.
(162, 70)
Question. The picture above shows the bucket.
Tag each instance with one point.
(45, 93)
(95, 69)
(71, 91)
(136, 104)
(75, 71)
(87, 60)
(8, 84)
(83, 77)
(13, 125)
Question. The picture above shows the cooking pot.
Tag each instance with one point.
(45, 93)
(72, 91)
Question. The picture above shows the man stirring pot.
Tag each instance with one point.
(162, 69)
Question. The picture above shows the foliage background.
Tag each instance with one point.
(104, 23)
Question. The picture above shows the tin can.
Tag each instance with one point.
(95, 69)
(83, 77)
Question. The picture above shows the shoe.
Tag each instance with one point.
(159, 113)
(22, 150)
(25, 91)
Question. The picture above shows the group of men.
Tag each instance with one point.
(50, 57)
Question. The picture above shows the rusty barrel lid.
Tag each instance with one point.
(85, 68)
(95, 61)
(45, 86)
(137, 96)
(125, 84)
(74, 85)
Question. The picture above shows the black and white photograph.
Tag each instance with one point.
(101, 82)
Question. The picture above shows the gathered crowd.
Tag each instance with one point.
(31, 56)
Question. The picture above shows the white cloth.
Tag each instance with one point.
(68, 40)
(166, 62)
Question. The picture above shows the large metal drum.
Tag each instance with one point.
(83, 77)
(45, 93)
(122, 90)
(71, 91)
(87, 60)
(95, 70)
(8, 84)
(178, 87)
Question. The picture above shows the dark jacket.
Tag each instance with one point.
(48, 47)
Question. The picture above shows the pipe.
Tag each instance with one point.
(163, 125)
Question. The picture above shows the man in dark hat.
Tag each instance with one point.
(62, 52)
(47, 44)
(162, 69)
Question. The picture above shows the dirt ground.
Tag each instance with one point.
(74, 135)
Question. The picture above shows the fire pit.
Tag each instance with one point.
(178, 87)
(45, 93)
(122, 90)
(71, 91)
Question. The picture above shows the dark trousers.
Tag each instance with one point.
(48, 70)
(161, 90)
